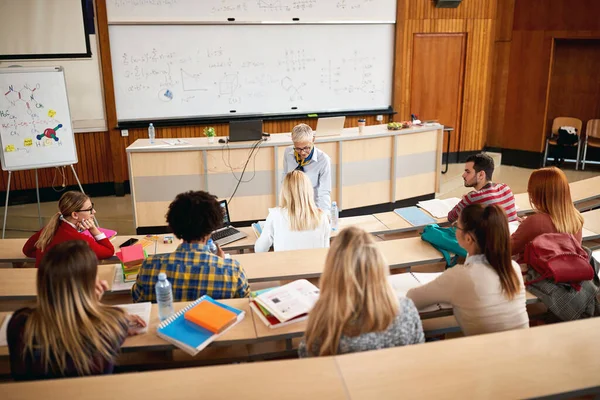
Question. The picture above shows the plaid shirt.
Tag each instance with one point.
(193, 271)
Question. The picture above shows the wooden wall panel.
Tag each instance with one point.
(476, 19)
(575, 81)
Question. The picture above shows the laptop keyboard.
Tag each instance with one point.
(224, 233)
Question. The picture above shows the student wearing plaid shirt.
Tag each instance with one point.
(192, 269)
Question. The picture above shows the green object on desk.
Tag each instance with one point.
(313, 115)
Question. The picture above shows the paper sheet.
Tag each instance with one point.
(3, 328)
(142, 310)
(437, 207)
(118, 284)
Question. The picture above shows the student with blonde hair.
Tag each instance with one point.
(550, 197)
(358, 309)
(298, 224)
(304, 156)
(76, 215)
(486, 292)
(69, 332)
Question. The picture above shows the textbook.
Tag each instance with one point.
(266, 317)
(257, 227)
(414, 216)
(188, 336)
(289, 301)
(437, 207)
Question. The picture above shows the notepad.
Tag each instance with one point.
(210, 316)
(188, 336)
(439, 208)
(142, 310)
(414, 216)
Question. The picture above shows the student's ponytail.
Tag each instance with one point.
(489, 225)
(48, 232)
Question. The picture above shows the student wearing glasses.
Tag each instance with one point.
(298, 224)
(75, 216)
(304, 156)
(486, 292)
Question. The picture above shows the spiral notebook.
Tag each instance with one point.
(188, 336)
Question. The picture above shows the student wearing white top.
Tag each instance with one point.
(304, 156)
(487, 292)
(298, 224)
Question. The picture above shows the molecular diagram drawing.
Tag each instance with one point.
(50, 133)
(25, 95)
(294, 90)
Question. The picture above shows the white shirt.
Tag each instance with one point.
(277, 232)
(476, 296)
(318, 171)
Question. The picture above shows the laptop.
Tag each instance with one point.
(330, 126)
(227, 233)
(243, 131)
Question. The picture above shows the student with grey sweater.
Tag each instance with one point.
(357, 308)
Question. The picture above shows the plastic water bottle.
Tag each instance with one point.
(212, 247)
(335, 216)
(164, 297)
(151, 133)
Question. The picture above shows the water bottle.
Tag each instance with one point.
(212, 247)
(151, 133)
(164, 297)
(335, 215)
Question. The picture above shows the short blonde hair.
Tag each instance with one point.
(297, 197)
(301, 133)
(356, 297)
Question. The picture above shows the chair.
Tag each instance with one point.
(553, 138)
(592, 137)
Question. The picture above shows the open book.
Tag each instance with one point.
(257, 227)
(289, 301)
(266, 317)
(402, 283)
(437, 207)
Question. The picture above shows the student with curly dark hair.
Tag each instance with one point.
(192, 269)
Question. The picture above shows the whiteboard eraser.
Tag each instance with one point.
(294, 108)
(231, 19)
(295, 19)
(232, 111)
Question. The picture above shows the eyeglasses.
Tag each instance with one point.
(88, 209)
(303, 149)
(455, 225)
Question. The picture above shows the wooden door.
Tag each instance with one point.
(437, 76)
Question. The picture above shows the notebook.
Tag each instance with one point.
(439, 208)
(188, 336)
(289, 301)
(142, 310)
(414, 216)
(210, 316)
(402, 283)
(257, 227)
(108, 232)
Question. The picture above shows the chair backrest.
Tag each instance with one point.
(566, 121)
(592, 129)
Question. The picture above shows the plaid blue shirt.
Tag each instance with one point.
(193, 272)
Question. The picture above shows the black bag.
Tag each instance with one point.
(565, 138)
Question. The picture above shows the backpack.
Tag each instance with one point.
(444, 240)
(558, 257)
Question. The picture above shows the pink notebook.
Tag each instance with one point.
(108, 232)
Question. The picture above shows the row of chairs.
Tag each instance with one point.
(591, 138)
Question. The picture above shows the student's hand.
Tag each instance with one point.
(134, 323)
(220, 252)
(101, 287)
(521, 219)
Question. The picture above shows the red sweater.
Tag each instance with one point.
(496, 193)
(533, 226)
(65, 232)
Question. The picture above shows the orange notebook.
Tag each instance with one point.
(211, 316)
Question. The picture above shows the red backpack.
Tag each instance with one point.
(559, 257)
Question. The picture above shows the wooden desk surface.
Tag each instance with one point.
(292, 379)
(396, 223)
(261, 267)
(515, 364)
(591, 222)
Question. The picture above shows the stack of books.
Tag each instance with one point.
(284, 305)
(200, 323)
(131, 258)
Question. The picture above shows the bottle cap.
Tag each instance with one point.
(162, 276)
(333, 203)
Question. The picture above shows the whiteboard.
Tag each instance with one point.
(35, 123)
(120, 11)
(181, 71)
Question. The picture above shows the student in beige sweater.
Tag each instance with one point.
(487, 291)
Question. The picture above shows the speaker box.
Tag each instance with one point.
(447, 3)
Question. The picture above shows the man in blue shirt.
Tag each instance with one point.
(304, 156)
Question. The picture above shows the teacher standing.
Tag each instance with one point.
(304, 156)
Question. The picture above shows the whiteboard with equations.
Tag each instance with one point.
(182, 71)
(121, 11)
(35, 122)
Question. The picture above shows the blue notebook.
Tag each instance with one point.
(188, 336)
(415, 216)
